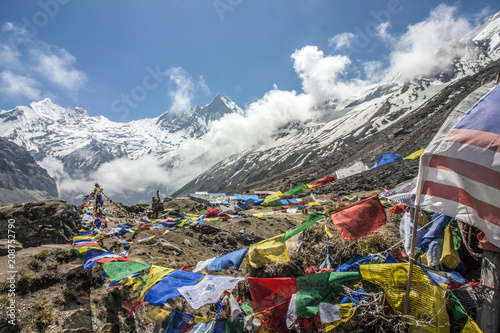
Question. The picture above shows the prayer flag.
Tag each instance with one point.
(311, 219)
(118, 270)
(229, 260)
(167, 287)
(208, 290)
(268, 250)
(360, 218)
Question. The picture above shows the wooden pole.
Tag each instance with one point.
(488, 311)
(410, 265)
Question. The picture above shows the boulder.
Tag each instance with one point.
(44, 222)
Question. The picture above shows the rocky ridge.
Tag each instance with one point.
(21, 178)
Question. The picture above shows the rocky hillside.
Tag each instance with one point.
(43, 222)
(54, 293)
(21, 178)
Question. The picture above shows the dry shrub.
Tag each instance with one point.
(24, 281)
(371, 244)
(45, 312)
(42, 255)
(34, 264)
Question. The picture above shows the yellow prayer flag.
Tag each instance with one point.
(272, 197)
(471, 327)
(427, 301)
(328, 232)
(346, 311)
(450, 257)
(156, 273)
(201, 320)
(414, 155)
(76, 238)
(268, 250)
(84, 249)
(157, 314)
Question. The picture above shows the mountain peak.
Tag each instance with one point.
(44, 102)
(219, 106)
(49, 110)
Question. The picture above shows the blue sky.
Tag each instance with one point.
(129, 59)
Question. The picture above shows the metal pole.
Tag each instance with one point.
(488, 311)
(410, 265)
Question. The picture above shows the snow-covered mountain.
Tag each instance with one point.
(74, 144)
(167, 151)
(341, 124)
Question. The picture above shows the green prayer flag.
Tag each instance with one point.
(296, 190)
(118, 270)
(235, 326)
(316, 288)
(247, 309)
(456, 307)
(274, 203)
(80, 255)
(311, 219)
(456, 237)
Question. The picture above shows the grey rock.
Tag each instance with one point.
(9, 244)
(167, 245)
(45, 222)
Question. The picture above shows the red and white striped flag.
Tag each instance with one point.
(459, 171)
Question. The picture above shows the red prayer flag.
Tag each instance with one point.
(268, 292)
(132, 304)
(106, 260)
(360, 218)
(323, 181)
(271, 298)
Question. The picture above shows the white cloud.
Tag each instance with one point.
(120, 176)
(382, 32)
(58, 67)
(480, 16)
(9, 56)
(185, 88)
(427, 45)
(68, 187)
(13, 86)
(18, 32)
(259, 122)
(322, 75)
(374, 70)
(318, 72)
(36, 63)
(341, 40)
